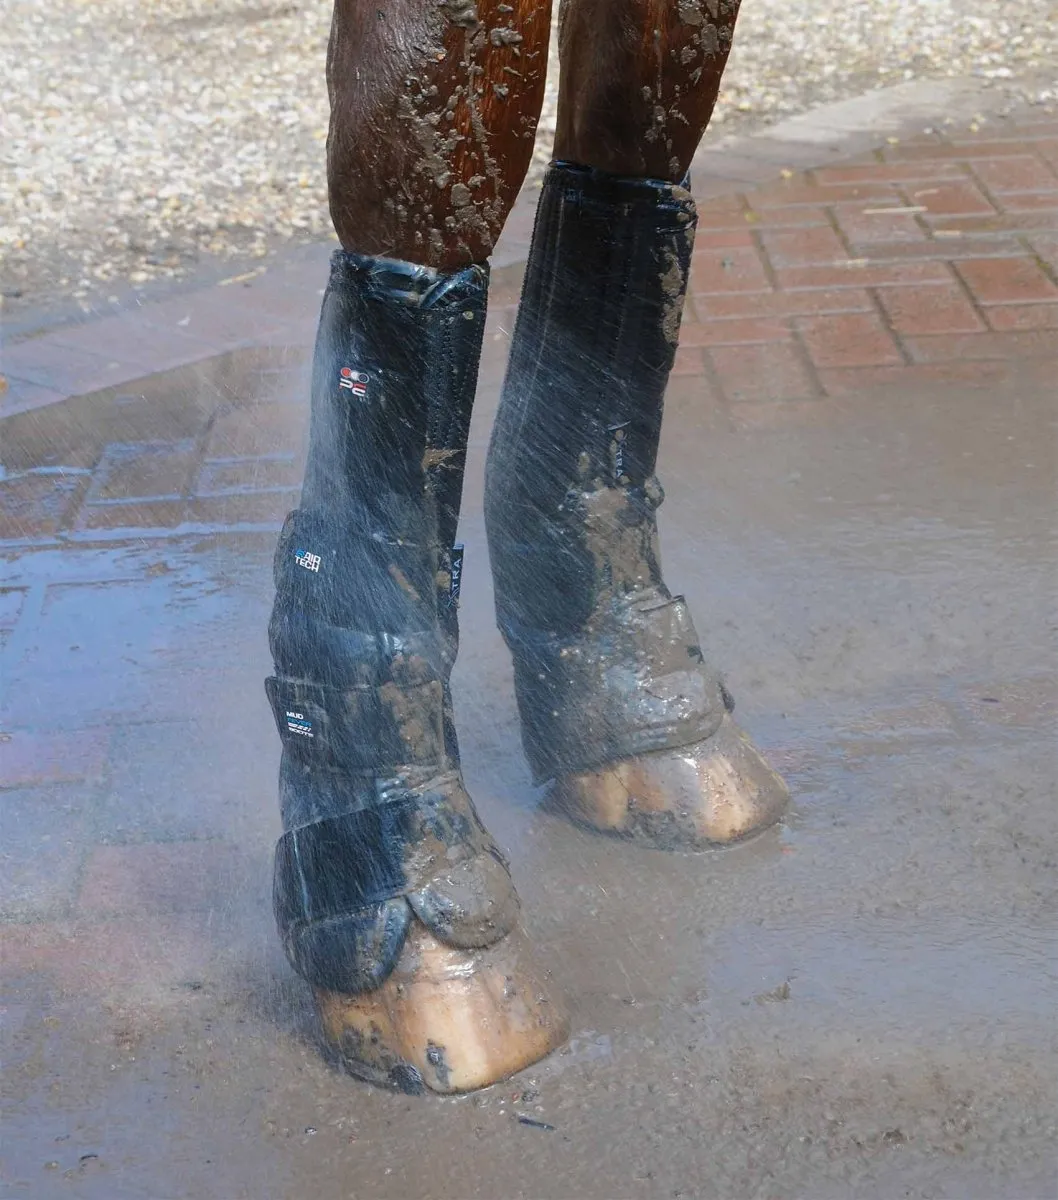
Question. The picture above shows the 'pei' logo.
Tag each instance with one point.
(353, 381)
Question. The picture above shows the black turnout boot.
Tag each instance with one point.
(391, 898)
(617, 705)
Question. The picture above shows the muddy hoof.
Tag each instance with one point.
(447, 1019)
(713, 793)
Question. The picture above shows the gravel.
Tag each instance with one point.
(142, 141)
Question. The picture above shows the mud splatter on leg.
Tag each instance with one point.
(433, 114)
(639, 81)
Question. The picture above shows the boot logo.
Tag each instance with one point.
(353, 381)
(297, 723)
(308, 560)
(618, 435)
(457, 576)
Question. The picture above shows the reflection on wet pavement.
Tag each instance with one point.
(860, 1002)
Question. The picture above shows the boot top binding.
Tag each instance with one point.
(622, 196)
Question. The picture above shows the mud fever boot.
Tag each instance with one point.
(618, 707)
(390, 896)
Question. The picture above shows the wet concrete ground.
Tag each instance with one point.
(860, 1003)
(859, 456)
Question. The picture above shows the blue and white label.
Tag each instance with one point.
(618, 434)
(308, 560)
(298, 723)
(457, 575)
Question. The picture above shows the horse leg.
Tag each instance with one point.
(618, 707)
(391, 898)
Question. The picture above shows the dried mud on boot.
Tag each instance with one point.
(617, 704)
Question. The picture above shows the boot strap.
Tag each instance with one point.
(343, 864)
(379, 728)
(347, 863)
(634, 684)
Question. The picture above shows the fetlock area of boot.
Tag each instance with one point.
(447, 1019)
(404, 919)
(713, 793)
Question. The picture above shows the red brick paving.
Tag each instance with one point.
(1018, 173)
(143, 471)
(37, 506)
(1012, 280)
(1045, 247)
(848, 340)
(712, 309)
(114, 959)
(729, 269)
(139, 514)
(805, 190)
(973, 150)
(155, 879)
(1022, 316)
(929, 250)
(926, 261)
(260, 507)
(855, 381)
(254, 431)
(773, 371)
(893, 175)
(1027, 201)
(736, 331)
(961, 198)
(36, 759)
(861, 272)
(953, 347)
(922, 257)
(942, 308)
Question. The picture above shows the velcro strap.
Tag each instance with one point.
(636, 685)
(363, 728)
(305, 646)
(342, 864)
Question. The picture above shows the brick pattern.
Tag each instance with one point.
(43, 758)
(225, 460)
(927, 261)
(158, 879)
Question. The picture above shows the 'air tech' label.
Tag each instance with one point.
(308, 560)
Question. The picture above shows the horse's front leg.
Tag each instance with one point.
(618, 706)
(391, 898)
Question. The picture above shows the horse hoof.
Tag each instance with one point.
(447, 1019)
(710, 794)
